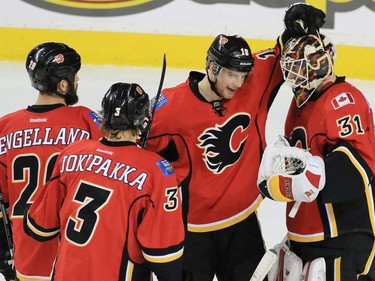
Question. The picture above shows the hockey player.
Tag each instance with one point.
(212, 128)
(30, 141)
(332, 122)
(116, 206)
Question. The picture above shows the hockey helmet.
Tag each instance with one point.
(230, 52)
(125, 106)
(49, 63)
(306, 62)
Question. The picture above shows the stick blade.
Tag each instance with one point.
(264, 266)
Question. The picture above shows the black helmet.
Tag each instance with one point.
(231, 52)
(125, 106)
(49, 63)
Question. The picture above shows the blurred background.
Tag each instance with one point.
(139, 32)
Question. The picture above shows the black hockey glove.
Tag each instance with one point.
(301, 18)
(7, 269)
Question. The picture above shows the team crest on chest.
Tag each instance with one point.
(224, 143)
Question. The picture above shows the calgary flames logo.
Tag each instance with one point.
(223, 145)
(98, 8)
(59, 58)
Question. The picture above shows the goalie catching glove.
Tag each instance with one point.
(290, 174)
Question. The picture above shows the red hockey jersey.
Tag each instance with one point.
(30, 141)
(336, 125)
(216, 158)
(115, 206)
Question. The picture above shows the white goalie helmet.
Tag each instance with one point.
(306, 62)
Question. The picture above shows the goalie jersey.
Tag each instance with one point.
(116, 208)
(215, 147)
(30, 141)
(344, 138)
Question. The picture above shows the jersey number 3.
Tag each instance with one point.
(92, 199)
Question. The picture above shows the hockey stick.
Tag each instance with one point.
(145, 135)
(266, 263)
(264, 266)
(7, 230)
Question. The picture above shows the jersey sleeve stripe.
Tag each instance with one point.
(165, 258)
(38, 232)
(356, 164)
(366, 181)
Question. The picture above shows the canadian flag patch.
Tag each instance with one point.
(342, 100)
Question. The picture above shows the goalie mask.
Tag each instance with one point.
(306, 62)
(125, 106)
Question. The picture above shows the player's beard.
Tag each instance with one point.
(71, 97)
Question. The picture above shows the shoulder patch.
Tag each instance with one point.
(95, 117)
(166, 167)
(342, 100)
(162, 100)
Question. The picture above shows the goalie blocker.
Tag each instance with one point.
(290, 173)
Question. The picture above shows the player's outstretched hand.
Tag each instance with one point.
(301, 18)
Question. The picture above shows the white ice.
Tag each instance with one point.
(16, 93)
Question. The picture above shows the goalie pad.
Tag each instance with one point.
(290, 173)
(288, 266)
(315, 270)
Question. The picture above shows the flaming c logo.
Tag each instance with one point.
(59, 58)
(98, 8)
(223, 144)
